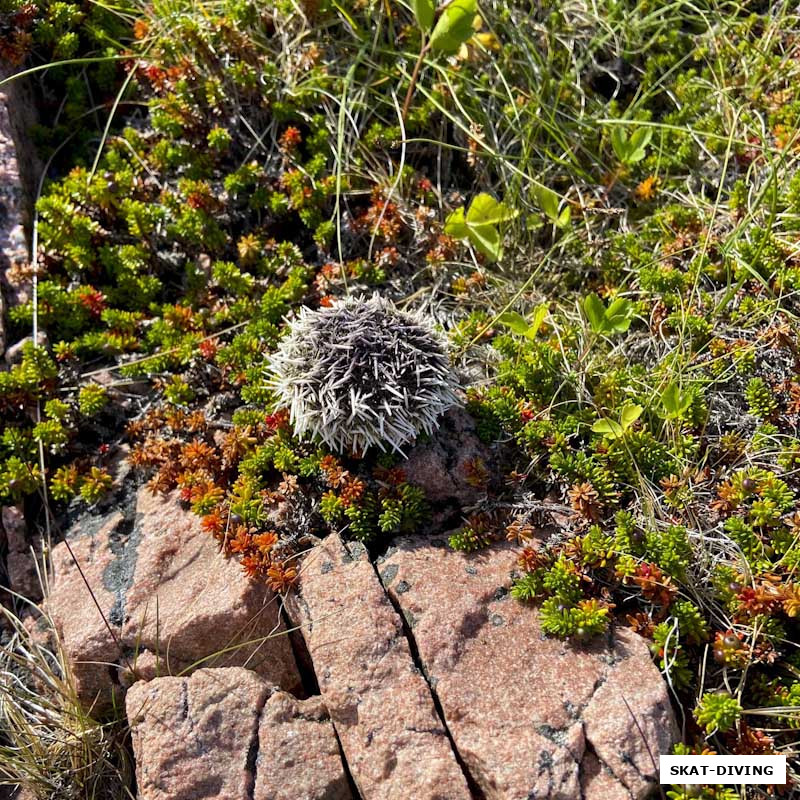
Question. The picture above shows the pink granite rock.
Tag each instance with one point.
(226, 733)
(21, 555)
(19, 170)
(87, 642)
(381, 706)
(298, 753)
(531, 716)
(169, 601)
(193, 737)
(442, 465)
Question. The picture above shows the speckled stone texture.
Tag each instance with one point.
(23, 554)
(170, 601)
(19, 172)
(298, 754)
(381, 706)
(196, 737)
(226, 733)
(12, 237)
(442, 464)
(531, 716)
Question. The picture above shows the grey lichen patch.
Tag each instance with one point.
(389, 574)
(410, 619)
(357, 550)
(545, 761)
(555, 735)
(402, 587)
(118, 575)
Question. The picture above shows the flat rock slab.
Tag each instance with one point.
(192, 737)
(160, 600)
(381, 706)
(227, 733)
(530, 716)
(298, 753)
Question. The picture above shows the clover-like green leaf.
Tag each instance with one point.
(615, 430)
(455, 225)
(629, 414)
(609, 428)
(536, 323)
(485, 210)
(619, 315)
(479, 224)
(485, 238)
(619, 141)
(633, 148)
(637, 144)
(548, 201)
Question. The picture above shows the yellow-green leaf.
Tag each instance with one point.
(454, 26)
(455, 225)
(424, 11)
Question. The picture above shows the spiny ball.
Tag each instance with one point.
(362, 373)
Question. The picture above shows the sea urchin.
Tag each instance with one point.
(362, 373)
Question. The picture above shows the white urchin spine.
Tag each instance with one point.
(362, 373)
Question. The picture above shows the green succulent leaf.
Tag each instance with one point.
(676, 403)
(454, 26)
(516, 322)
(424, 12)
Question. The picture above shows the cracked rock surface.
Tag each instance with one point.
(298, 753)
(192, 737)
(433, 682)
(227, 733)
(169, 600)
(393, 740)
(531, 716)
